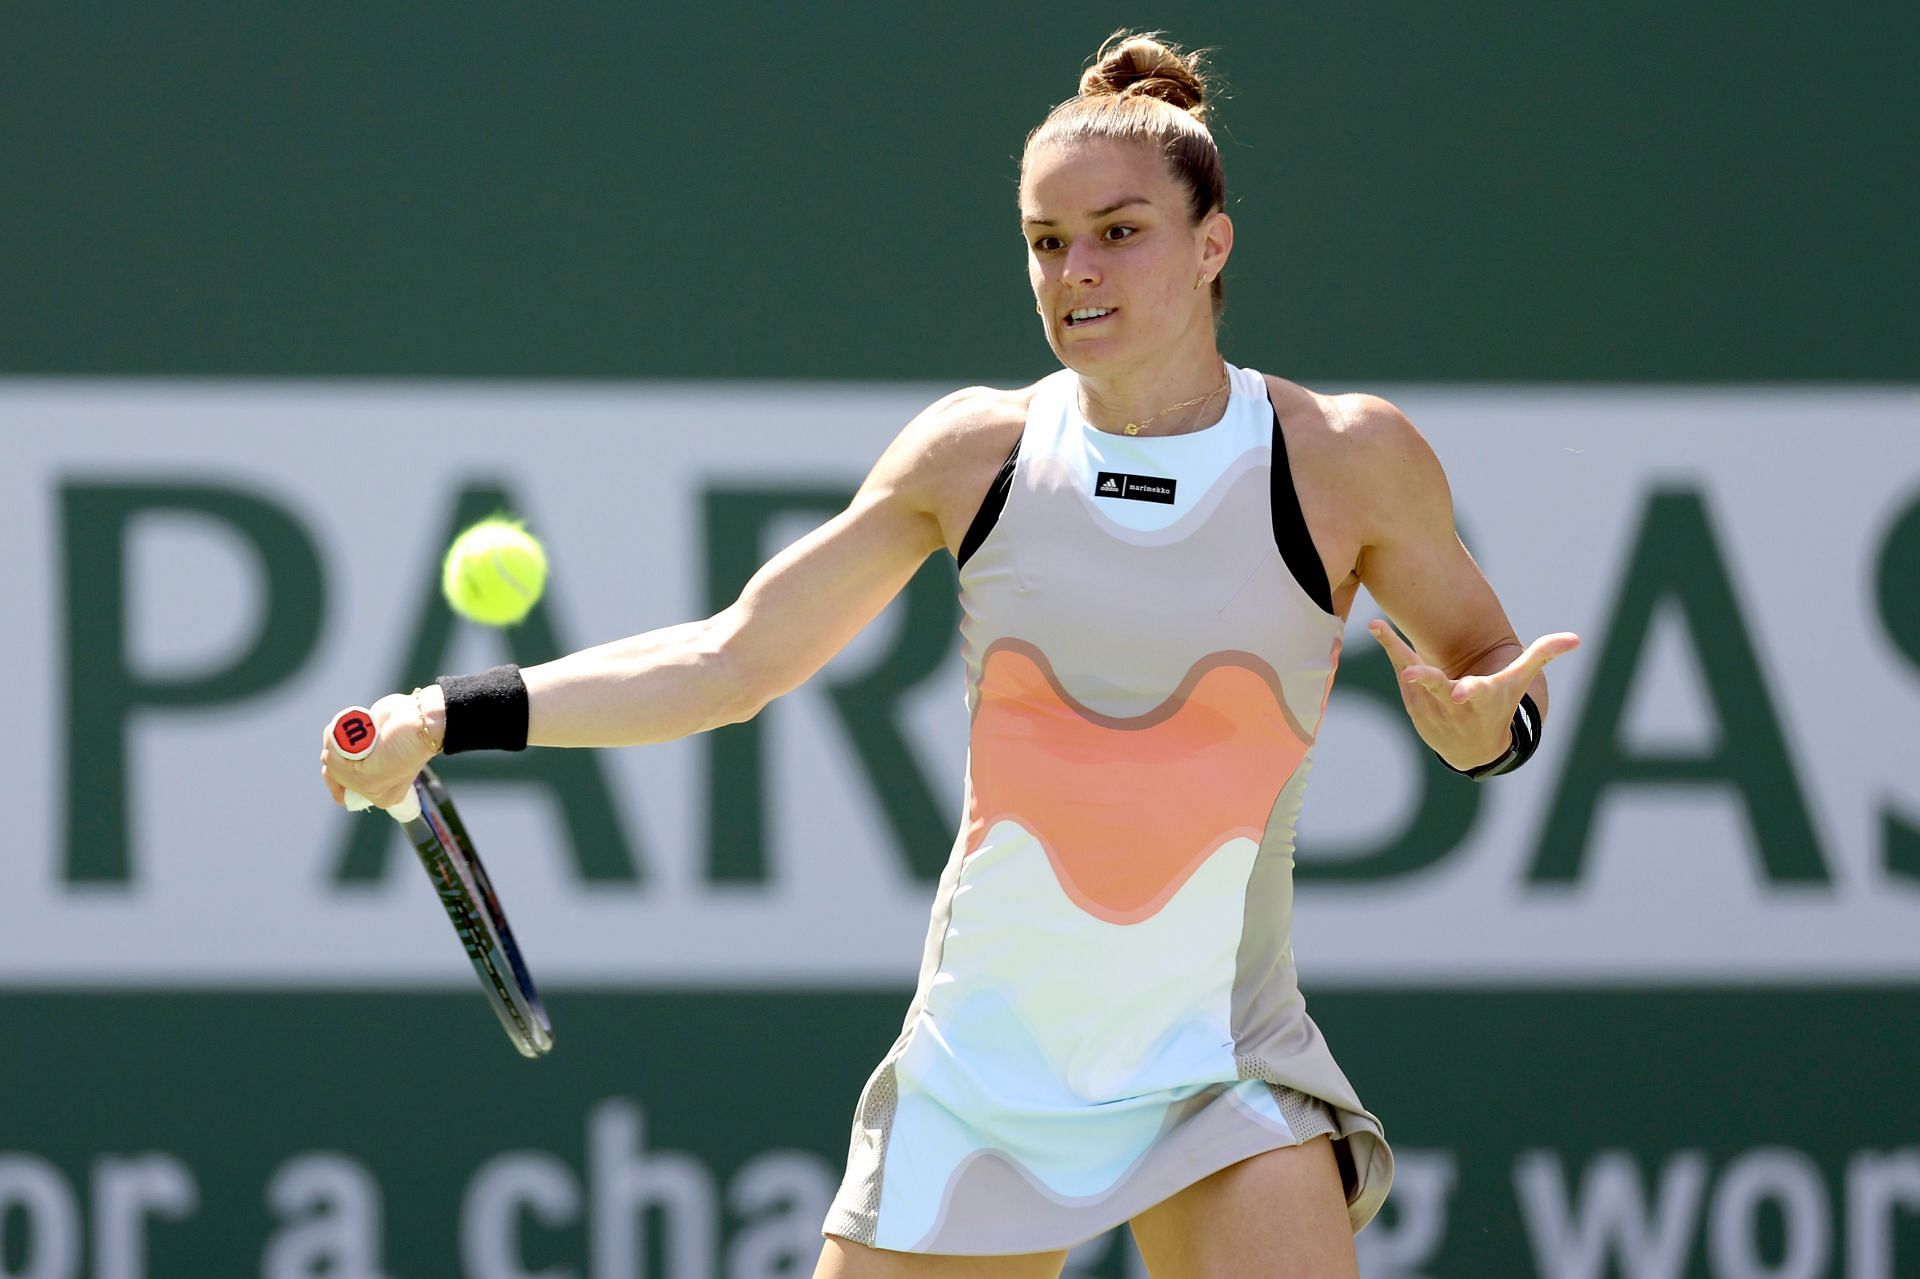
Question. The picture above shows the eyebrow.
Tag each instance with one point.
(1096, 214)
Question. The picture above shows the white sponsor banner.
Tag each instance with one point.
(1762, 528)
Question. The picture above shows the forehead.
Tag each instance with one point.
(1066, 180)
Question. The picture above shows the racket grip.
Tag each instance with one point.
(353, 735)
(403, 812)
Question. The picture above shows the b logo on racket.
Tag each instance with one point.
(353, 733)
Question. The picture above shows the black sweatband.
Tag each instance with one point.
(485, 712)
(1525, 741)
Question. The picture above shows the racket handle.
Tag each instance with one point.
(403, 812)
(354, 734)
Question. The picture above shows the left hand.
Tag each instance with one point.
(1467, 721)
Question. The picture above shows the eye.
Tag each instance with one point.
(1119, 232)
(1046, 244)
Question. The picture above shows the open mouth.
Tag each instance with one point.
(1081, 316)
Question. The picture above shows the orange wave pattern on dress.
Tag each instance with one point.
(1128, 809)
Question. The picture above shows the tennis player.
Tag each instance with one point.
(1157, 552)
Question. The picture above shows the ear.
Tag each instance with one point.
(1216, 243)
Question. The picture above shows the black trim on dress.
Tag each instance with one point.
(1290, 533)
(990, 507)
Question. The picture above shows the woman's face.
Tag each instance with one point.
(1113, 255)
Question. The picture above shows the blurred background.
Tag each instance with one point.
(293, 293)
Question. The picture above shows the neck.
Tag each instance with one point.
(1152, 397)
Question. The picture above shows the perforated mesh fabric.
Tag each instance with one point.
(1309, 1117)
(856, 1209)
(877, 1118)
(1306, 1114)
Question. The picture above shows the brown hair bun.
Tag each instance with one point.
(1132, 64)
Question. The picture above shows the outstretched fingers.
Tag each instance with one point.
(1407, 664)
(1521, 671)
(1514, 679)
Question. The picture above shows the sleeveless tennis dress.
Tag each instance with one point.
(1107, 1009)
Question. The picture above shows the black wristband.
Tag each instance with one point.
(485, 712)
(1524, 742)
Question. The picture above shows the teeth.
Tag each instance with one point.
(1089, 312)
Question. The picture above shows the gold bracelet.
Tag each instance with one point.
(425, 736)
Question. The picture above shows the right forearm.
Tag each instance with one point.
(653, 687)
(793, 615)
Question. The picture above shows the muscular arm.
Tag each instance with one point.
(799, 610)
(794, 615)
(1419, 572)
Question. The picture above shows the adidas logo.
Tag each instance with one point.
(1134, 488)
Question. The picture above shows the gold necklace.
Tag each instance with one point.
(1134, 428)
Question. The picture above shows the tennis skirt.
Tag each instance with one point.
(935, 1165)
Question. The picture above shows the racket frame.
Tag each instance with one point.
(466, 892)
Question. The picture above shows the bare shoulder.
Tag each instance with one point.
(968, 426)
(1361, 445)
(1359, 470)
(946, 458)
(1354, 425)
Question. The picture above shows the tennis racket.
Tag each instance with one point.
(440, 838)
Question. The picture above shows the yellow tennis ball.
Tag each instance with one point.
(494, 572)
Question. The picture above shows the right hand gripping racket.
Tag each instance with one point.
(440, 838)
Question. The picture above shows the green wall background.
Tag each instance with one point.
(1633, 190)
(1487, 1075)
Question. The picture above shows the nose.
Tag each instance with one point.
(1081, 269)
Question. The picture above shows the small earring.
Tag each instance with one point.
(1202, 280)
